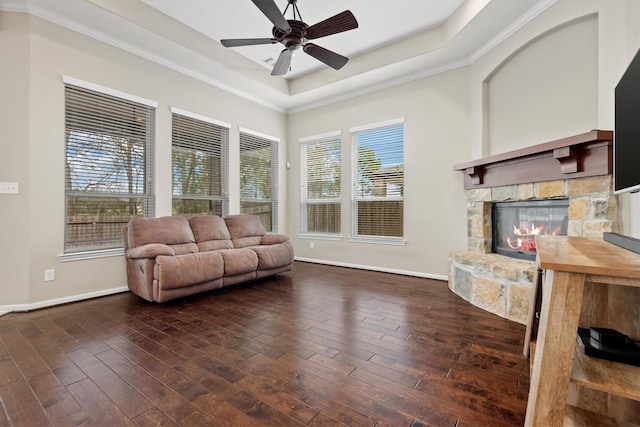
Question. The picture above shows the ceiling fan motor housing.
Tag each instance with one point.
(295, 37)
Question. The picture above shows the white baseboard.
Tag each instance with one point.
(373, 268)
(4, 309)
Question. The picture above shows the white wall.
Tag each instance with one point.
(436, 110)
(14, 161)
(447, 122)
(551, 79)
(34, 152)
(557, 29)
(546, 90)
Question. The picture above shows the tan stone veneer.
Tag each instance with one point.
(500, 284)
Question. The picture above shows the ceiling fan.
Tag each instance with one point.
(294, 33)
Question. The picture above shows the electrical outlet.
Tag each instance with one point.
(311, 245)
(49, 275)
(8, 188)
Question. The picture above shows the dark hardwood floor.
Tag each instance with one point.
(319, 346)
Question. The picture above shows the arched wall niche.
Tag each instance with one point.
(544, 90)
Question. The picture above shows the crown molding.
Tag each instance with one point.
(13, 6)
(379, 77)
(523, 20)
(513, 28)
(73, 25)
(427, 72)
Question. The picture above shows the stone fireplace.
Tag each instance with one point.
(576, 170)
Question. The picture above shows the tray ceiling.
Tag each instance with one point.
(395, 42)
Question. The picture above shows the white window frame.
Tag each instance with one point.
(330, 137)
(274, 143)
(74, 251)
(198, 142)
(356, 198)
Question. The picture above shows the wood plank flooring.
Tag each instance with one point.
(319, 346)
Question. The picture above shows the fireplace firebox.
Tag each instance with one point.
(515, 225)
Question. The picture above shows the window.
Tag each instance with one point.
(320, 213)
(109, 165)
(199, 159)
(378, 181)
(259, 177)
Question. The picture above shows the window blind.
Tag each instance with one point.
(259, 177)
(378, 181)
(108, 169)
(199, 166)
(321, 188)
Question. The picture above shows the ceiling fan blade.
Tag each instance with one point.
(283, 63)
(330, 58)
(344, 21)
(246, 42)
(271, 11)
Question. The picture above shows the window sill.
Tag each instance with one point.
(379, 241)
(311, 236)
(101, 253)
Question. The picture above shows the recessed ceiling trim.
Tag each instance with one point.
(284, 102)
(441, 68)
(383, 85)
(14, 6)
(100, 36)
(515, 26)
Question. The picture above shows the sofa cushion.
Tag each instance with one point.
(239, 261)
(151, 250)
(209, 227)
(211, 233)
(185, 270)
(272, 256)
(245, 230)
(245, 242)
(174, 231)
(273, 239)
(185, 248)
(214, 245)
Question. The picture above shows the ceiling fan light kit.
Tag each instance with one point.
(295, 33)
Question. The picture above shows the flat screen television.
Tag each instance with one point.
(626, 139)
(626, 144)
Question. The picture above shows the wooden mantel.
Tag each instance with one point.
(578, 156)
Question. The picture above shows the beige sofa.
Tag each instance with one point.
(176, 256)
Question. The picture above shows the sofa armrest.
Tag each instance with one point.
(273, 239)
(151, 250)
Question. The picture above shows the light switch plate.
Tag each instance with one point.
(8, 188)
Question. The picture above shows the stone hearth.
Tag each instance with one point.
(502, 285)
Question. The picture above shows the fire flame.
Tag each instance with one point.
(535, 231)
(524, 240)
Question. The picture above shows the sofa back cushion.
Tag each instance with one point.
(245, 230)
(173, 231)
(210, 232)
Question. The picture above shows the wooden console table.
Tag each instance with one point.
(586, 282)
